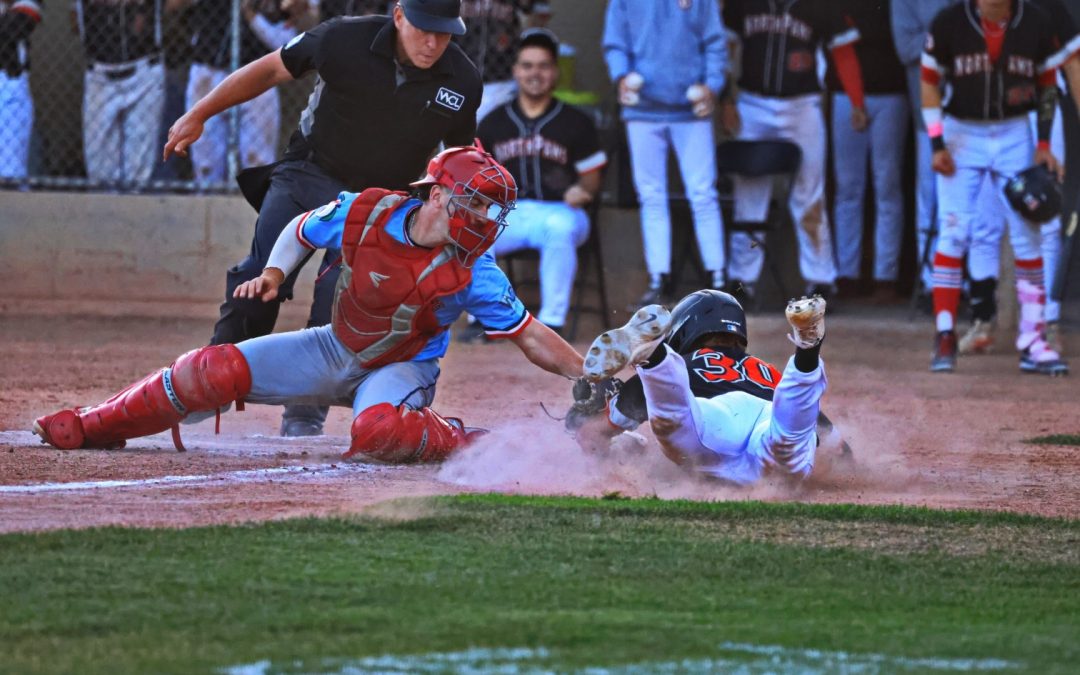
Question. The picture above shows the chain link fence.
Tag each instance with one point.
(89, 88)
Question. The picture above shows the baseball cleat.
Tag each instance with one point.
(806, 316)
(944, 358)
(629, 345)
(1040, 359)
(61, 430)
(1052, 335)
(978, 339)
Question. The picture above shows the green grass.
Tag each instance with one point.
(1056, 439)
(580, 582)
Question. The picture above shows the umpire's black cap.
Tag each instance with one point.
(435, 16)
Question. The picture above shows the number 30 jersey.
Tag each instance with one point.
(713, 372)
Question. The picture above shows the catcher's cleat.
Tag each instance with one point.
(978, 339)
(630, 344)
(1040, 359)
(806, 316)
(944, 358)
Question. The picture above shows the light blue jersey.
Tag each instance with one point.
(489, 296)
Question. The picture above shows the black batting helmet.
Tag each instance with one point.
(703, 312)
(1035, 194)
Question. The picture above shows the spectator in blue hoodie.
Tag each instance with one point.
(668, 60)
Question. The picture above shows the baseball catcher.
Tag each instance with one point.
(712, 406)
(410, 266)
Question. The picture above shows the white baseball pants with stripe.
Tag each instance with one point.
(796, 119)
(736, 436)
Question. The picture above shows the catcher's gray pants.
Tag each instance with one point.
(736, 435)
(312, 367)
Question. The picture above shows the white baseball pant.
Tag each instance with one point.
(556, 229)
(796, 119)
(260, 123)
(122, 120)
(16, 124)
(695, 152)
(736, 436)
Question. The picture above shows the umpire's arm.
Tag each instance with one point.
(242, 85)
(546, 349)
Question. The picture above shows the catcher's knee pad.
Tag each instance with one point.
(401, 435)
(202, 379)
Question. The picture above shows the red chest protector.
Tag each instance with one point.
(387, 292)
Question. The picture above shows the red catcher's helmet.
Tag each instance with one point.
(482, 193)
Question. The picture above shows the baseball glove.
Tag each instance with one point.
(590, 400)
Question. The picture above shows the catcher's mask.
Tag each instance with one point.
(482, 193)
(1035, 194)
(703, 312)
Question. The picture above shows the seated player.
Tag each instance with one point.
(712, 406)
(411, 266)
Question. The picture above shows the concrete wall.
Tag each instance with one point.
(68, 246)
(124, 247)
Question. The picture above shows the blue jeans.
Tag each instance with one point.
(883, 142)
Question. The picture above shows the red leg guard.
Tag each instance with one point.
(402, 435)
(202, 379)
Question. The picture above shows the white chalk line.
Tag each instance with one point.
(230, 477)
(748, 659)
(246, 445)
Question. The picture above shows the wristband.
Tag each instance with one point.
(937, 143)
(1043, 145)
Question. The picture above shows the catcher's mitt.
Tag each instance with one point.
(590, 400)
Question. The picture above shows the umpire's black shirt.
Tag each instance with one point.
(371, 122)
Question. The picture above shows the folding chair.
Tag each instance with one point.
(590, 264)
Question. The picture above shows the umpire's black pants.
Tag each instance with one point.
(296, 186)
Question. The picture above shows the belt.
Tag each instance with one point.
(123, 71)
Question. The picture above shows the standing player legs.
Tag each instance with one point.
(803, 124)
(888, 138)
(648, 158)
(260, 124)
(102, 111)
(208, 155)
(925, 187)
(850, 151)
(17, 112)
(144, 97)
(695, 151)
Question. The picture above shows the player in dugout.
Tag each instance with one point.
(411, 264)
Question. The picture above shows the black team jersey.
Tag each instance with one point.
(545, 154)
(713, 372)
(982, 88)
(780, 39)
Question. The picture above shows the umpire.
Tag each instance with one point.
(388, 90)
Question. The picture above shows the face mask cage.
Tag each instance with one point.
(476, 219)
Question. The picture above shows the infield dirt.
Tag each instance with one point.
(919, 438)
